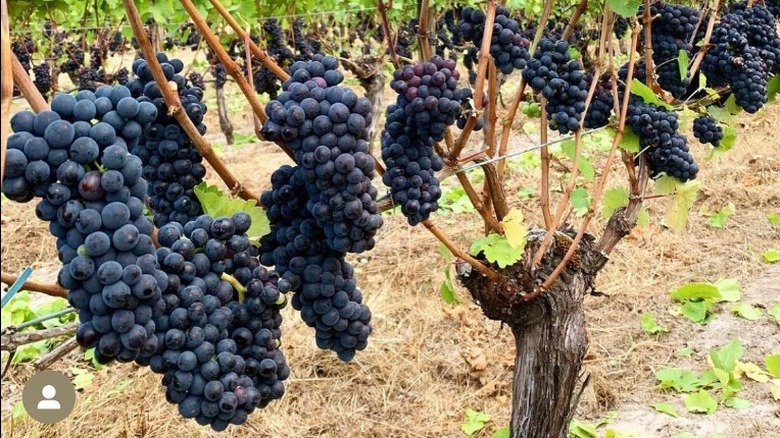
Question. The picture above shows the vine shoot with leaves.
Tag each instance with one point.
(168, 272)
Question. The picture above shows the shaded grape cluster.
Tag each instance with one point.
(467, 107)
(743, 55)
(323, 282)
(219, 324)
(428, 101)
(103, 240)
(707, 130)
(42, 74)
(326, 126)
(507, 45)
(172, 164)
(672, 33)
(562, 81)
(665, 149)
(621, 27)
(601, 106)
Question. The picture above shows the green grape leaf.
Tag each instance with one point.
(773, 88)
(677, 379)
(683, 60)
(580, 201)
(718, 219)
(216, 203)
(643, 91)
(496, 249)
(695, 291)
(650, 326)
(683, 352)
(613, 199)
(774, 311)
(771, 255)
(731, 105)
(447, 290)
(747, 311)
(18, 412)
(630, 141)
(585, 167)
(625, 8)
(722, 115)
(736, 403)
(684, 197)
(726, 357)
(665, 408)
(729, 289)
(580, 429)
(773, 219)
(474, 422)
(699, 312)
(701, 402)
(82, 378)
(504, 432)
(773, 365)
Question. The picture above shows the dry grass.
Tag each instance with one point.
(427, 362)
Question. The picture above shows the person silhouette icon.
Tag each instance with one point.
(49, 404)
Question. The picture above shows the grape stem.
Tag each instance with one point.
(260, 54)
(382, 7)
(26, 86)
(484, 52)
(240, 289)
(6, 84)
(422, 30)
(53, 290)
(705, 46)
(175, 109)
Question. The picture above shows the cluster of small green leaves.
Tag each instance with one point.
(20, 310)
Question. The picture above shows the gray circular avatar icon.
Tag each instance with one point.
(48, 397)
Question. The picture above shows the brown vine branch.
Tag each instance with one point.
(454, 249)
(53, 290)
(261, 55)
(6, 85)
(506, 129)
(647, 19)
(603, 178)
(484, 53)
(58, 353)
(705, 46)
(382, 8)
(422, 31)
(26, 86)
(581, 8)
(541, 26)
(544, 190)
(11, 341)
(175, 109)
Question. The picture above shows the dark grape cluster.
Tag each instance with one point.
(302, 44)
(24, 48)
(75, 58)
(707, 130)
(219, 323)
(672, 32)
(602, 104)
(103, 240)
(773, 6)
(743, 55)
(665, 149)
(326, 126)
(621, 27)
(467, 107)
(562, 81)
(90, 78)
(196, 80)
(172, 164)
(507, 45)
(407, 34)
(323, 282)
(42, 81)
(275, 43)
(428, 102)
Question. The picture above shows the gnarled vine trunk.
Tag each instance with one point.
(549, 332)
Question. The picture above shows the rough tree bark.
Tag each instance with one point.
(549, 331)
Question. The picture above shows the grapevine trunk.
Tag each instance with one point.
(549, 331)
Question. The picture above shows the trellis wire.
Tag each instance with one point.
(39, 320)
(17, 286)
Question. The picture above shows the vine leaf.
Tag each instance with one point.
(726, 357)
(630, 141)
(474, 422)
(585, 166)
(747, 311)
(580, 201)
(774, 311)
(647, 94)
(515, 229)
(447, 289)
(216, 203)
(650, 326)
(683, 60)
(665, 408)
(701, 402)
(496, 249)
(771, 255)
(773, 88)
(773, 365)
(684, 197)
(504, 432)
(625, 8)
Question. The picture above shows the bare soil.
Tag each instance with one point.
(427, 361)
